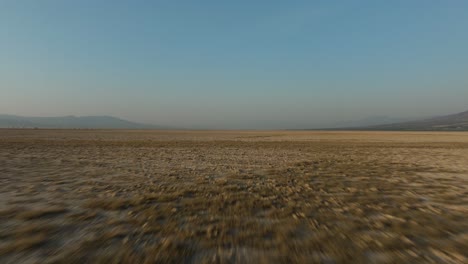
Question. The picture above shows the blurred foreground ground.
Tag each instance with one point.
(76, 196)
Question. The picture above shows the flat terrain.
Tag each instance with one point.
(103, 196)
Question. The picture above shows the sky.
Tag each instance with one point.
(234, 64)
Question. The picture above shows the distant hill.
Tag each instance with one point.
(369, 121)
(81, 122)
(455, 122)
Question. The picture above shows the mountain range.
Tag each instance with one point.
(77, 122)
(454, 122)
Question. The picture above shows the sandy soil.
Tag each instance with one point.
(104, 196)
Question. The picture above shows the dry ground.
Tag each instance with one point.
(76, 196)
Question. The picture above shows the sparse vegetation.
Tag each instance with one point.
(172, 197)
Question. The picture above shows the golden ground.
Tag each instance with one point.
(75, 196)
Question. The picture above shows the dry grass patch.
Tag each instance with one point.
(23, 243)
(39, 213)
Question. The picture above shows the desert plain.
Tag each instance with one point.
(127, 196)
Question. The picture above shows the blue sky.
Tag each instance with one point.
(234, 64)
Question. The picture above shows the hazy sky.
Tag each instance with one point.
(234, 64)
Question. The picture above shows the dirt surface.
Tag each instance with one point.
(103, 196)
